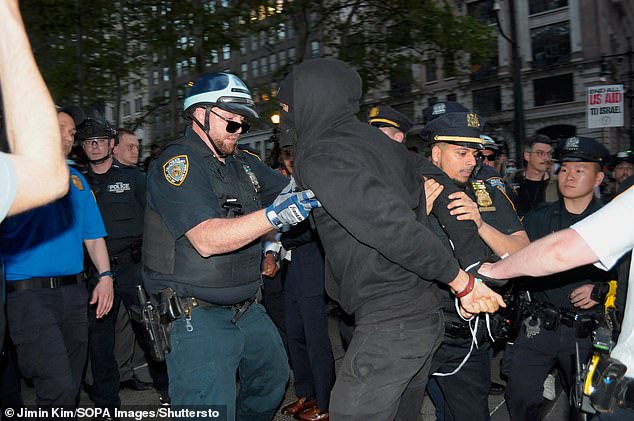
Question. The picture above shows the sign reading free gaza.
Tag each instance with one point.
(605, 106)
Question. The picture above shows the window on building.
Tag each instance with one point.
(291, 54)
(431, 73)
(272, 63)
(166, 93)
(314, 48)
(155, 77)
(449, 65)
(537, 6)
(482, 10)
(179, 68)
(226, 52)
(263, 65)
(263, 38)
(192, 62)
(244, 71)
(214, 56)
(401, 81)
(290, 30)
(281, 31)
(254, 68)
(551, 44)
(126, 108)
(166, 74)
(485, 68)
(138, 104)
(282, 56)
(243, 45)
(180, 93)
(487, 100)
(254, 42)
(553, 90)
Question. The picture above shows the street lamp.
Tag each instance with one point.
(518, 94)
(630, 89)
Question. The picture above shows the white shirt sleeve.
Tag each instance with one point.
(610, 234)
(7, 185)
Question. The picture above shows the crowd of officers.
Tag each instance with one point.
(212, 228)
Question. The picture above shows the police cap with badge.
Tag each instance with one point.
(386, 116)
(623, 156)
(582, 149)
(440, 108)
(459, 128)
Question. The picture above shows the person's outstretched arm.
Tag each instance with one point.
(36, 165)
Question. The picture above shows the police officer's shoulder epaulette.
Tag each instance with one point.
(249, 151)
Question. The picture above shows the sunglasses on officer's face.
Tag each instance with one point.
(233, 126)
(488, 157)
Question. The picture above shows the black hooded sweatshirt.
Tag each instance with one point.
(381, 257)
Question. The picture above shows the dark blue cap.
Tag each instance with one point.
(623, 156)
(440, 108)
(386, 116)
(461, 128)
(582, 149)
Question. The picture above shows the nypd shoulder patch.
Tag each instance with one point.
(496, 182)
(175, 170)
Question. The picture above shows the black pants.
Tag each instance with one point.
(465, 394)
(528, 362)
(105, 369)
(49, 328)
(381, 361)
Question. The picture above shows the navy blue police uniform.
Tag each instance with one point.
(187, 185)
(549, 336)
(120, 194)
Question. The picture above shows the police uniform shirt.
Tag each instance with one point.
(7, 185)
(555, 289)
(494, 205)
(186, 186)
(48, 241)
(609, 248)
(120, 194)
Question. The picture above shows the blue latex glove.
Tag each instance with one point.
(291, 208)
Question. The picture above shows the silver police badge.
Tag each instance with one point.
(175, 170)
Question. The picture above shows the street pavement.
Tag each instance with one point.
(149, 399)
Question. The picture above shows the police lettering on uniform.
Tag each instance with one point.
(120, 194)
(203, 222)
(566, 306)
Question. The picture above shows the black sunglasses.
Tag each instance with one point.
(488, 157)
(233, 126)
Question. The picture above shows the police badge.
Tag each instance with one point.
(485, 203)
(175, 170)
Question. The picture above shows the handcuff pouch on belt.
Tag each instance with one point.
(552, 317)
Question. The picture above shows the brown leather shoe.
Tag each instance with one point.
(298, 406)
(312, 414)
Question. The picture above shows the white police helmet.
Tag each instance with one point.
(222, 90)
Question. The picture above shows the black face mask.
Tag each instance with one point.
(288, 135)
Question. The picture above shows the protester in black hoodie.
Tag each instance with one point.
(382, 261)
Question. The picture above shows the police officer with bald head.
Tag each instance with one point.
(566, 305)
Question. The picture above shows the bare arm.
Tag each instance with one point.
(34, 140)
(554, 253)
(103, 294)
(223, 235)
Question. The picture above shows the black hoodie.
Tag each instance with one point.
(381, 257)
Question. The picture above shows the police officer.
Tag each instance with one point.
(566, 304)
(203, 222)
(120, 193)
(46, 298)
(462, 363)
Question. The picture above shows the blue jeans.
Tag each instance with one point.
(203, 363)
